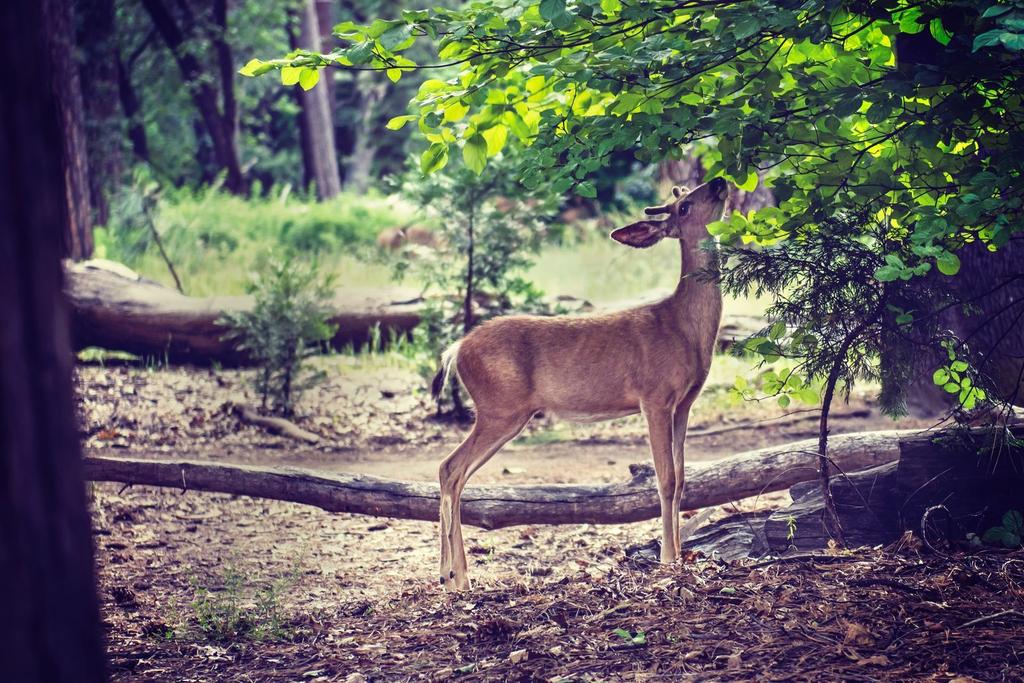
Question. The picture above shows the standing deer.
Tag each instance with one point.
(652, 359)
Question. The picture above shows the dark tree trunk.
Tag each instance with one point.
(67, 88)
(132, 111)
(989, 318)
(100, 95)
(51, 628)
(320, 157)
(221, 125)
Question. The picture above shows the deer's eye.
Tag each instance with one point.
(684, 208)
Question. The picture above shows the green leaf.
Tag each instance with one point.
(993, 535)
(474, 153)
(939, 31)
(290, 75)
(1013, 521)
(958, 366)
(455, 111)
(750, 183)
(586, 189)
(395, 36)
(250, 67)
(436, 157)
(909, 20)
(948, 263)
(399, 121)
(940, 376)
(309, 78)
(550, 9)
(394, 75)
(495, 136)
(987, 39)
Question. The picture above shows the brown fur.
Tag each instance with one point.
(651, 359)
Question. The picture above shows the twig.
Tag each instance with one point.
(160, 245)
(788, 418)
(806, 557)
(274, 425)
(992, 617)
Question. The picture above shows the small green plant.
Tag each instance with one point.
(790, 527)
(638, 639)
(490, 229)
(1009, 533)
(241, 608)
(285, 325)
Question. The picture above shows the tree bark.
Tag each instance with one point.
(494, 507)
(221, 125)
(130, 104)
(51, 627)
(319, 151)
(104, 124)
(67, 89)
(359, 170)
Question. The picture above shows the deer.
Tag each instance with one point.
(652, 360)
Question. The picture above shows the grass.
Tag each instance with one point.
(213, 239)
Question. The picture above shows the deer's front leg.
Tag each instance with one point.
(659, 427)
(680, 420)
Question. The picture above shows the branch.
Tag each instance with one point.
(496, 506)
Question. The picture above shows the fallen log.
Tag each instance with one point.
(114, 308)
(495, 506)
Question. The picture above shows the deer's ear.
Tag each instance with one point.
(640, 235)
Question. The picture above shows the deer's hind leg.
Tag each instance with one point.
(489, 434)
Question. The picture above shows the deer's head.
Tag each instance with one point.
(689, 213)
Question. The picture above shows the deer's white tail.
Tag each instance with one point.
(448, 362)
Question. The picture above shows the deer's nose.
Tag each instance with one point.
(719, 187)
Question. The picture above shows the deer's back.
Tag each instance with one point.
(581, 367)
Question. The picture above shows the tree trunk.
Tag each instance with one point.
(221, 126)
(51, 627)
(104, 124)
(359, 171)
(319, 150)
(67, 87)
(990, 318)
(132, 111)
(325, 19)
(493, 507)
(689, 172)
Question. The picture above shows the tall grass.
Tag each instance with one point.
(212, 238)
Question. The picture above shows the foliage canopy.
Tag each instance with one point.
(902, 117)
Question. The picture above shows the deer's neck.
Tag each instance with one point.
(697, 302)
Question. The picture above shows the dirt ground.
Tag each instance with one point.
(199, 587)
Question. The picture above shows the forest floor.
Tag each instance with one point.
(198, 587)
